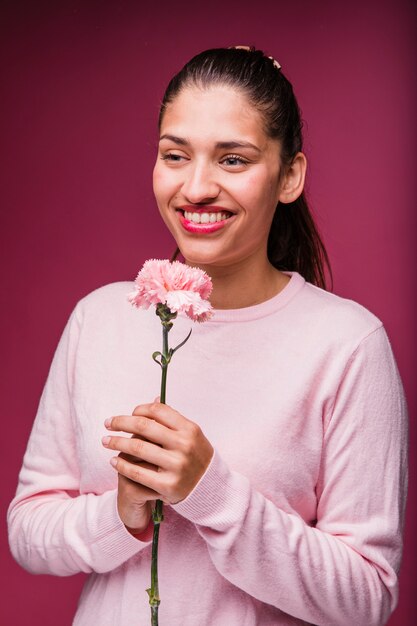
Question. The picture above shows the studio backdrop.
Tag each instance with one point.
(81, 87)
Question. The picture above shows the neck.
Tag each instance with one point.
(236, 287)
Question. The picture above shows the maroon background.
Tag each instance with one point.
(81, 84)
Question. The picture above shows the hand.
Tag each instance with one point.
(167, 455)
(134, 502)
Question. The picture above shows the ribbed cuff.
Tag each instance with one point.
(146, 535)
(114, 544)
(219, 500)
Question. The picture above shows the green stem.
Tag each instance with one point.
(165, 353)
(157, 514)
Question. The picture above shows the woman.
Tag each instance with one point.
(281, 455)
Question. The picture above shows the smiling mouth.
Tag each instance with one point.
(206, 218)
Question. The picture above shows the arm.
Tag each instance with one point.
(53, 529)
(343, 570)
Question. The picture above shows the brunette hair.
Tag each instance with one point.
(294, 243)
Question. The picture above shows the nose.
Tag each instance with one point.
(200, 185)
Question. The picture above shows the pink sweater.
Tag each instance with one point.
(298, 518)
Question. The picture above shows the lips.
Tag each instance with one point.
(204, 220)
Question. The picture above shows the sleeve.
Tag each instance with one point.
(343, 570)
(53, 529)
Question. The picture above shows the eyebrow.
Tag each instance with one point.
(222, 145)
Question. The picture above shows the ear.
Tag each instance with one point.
(292, 184)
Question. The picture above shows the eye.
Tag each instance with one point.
(171, 157)
(234, 161)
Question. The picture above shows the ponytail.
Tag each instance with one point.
(294, 243)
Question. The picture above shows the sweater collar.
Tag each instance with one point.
(257, 311)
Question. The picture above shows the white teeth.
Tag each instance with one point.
(205, 218)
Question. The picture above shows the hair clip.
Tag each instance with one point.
(248, 48)
(275, 62)
(251, 49)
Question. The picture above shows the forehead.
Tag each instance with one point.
(217, 112)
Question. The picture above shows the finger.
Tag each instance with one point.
(138, 448)
(139, 474)
(163, 414)
(139, 426)
(133, 490)
(134, 459)
(130, 489)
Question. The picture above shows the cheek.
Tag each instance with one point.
(163, 193)
(157, 181)
(259, 193)
(165, 185)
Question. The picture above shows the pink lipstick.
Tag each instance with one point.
(204, 220)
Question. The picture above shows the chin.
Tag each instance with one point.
(207, 261)
(198, 259)
(199, 251)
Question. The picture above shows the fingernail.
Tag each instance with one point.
(113, 461)
(105, 441)
(107, 422)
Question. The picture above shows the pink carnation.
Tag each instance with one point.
(182, 288)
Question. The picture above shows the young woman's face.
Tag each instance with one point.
(216, 178)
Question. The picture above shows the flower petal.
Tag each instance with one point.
(190, 303)
(181, 287)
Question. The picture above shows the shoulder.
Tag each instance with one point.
(108, 307)
(104, 322)
(344, 337)
(337, 315)
(110, 296)
(329, 323)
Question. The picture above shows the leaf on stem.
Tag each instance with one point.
(172, 350)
